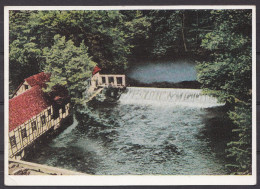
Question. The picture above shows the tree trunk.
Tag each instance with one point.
(182, 30)
(197, 29)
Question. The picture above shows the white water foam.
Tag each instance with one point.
(163, 96)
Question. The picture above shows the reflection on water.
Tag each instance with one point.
(122, 138)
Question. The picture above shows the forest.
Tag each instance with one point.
(70, 43)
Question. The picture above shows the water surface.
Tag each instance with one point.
(128, 138)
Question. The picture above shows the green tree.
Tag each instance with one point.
(25, 55)
(241, 147)
(102, 32)
(69, 66)
(32, 31)
(227, 75)
(136, 29)
(177, 32)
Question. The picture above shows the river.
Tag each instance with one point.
(147, 131)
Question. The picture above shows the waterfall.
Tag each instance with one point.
(163, 96)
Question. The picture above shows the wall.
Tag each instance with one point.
(114, 83)
(22, 89)
(31, 133)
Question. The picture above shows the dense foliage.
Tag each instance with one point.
(69, 43)
(69, 65)
(227, 74)
(112, 37)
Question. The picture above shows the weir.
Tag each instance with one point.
(187, 97)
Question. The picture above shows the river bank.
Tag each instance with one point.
(165, 84)
(19, 167)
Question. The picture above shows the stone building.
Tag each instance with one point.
(105, 80)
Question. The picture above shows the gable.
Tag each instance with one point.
(21, 89)
(39, 79)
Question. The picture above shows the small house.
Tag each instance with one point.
(105, 80)
(35, 80)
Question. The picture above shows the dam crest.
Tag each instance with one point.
(168, 96)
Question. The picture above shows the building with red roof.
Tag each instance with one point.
(104, 80)
(96, 70)
(39, 79)
(33, 112)
(25, 106)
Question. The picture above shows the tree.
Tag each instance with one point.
(69, 66)
(109, 36)
(176, 32)
(25, 56)
(102, 32)
(227, 75)
(136, 28)
(240, 149)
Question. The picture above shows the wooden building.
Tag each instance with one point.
(35, 80)
(32, 113)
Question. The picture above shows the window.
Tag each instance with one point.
(12, 141)
(111, 79)
(23, 132)
(63, 109)
(33, 124)
(43, 119)
(119, 80)
(49, 112)
(103, 80)
(56, 113)
(26, 87)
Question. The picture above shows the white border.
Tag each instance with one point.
(127, 180)
(128, 7)
(254, 166)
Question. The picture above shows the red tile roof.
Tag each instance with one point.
(26, 105)
(38, 79)
(96, 70)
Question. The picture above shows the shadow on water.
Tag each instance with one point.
(217, 131)
(69, 156)
(96, 122)
(62, 149)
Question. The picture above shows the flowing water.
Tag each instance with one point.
(172, 97)
(148, 131)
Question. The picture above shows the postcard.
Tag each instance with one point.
(130, 95)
